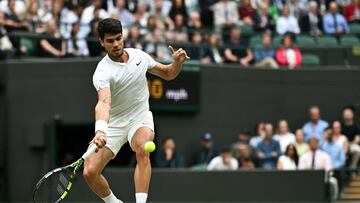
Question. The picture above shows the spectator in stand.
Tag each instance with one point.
(141, 18)
(225, 15)
(236, 51)
(312, 22)
(223, 162)
(212, 54)
(123, 14)
(289, 160)
(20, 6)
(244, 155)
(157, 47)
(263, 21)
(268, 150)
(195, 51)
(352, 132)
(194, 23)
(316, 159)
(207, 151)
(301, 146)
(283, 135)
(264, 54)
(178, 7)
(287, 22)
(151, 26)
(95, 49)
(134, 38)
(168, 157)
(333, 149)
(34, 16)
(160, 6)
(273, 10)
(352, 12)
(207, 14)
(288, 54)
(316, 126)
(298, 7)
(14, 23)
(163, 21)
(51, 44)
(76, 47)
(339, 138)
(334, 22)
(247, 12)
(243, 152)
(259, 135)
(180, 32)
(88, 15)
(6, 48)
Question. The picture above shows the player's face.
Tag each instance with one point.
(113, 44)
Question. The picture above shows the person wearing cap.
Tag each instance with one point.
(207, 151)
(225, 161)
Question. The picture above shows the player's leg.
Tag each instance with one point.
(95, 164)
(142, 174)
(93, 168)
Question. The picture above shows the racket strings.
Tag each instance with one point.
(52, 187)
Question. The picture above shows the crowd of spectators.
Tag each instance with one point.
(278, 148)
(318, 145)
(213, 27)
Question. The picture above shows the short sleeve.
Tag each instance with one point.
(150, 61)
(101, 78)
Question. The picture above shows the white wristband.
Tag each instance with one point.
(101, 125)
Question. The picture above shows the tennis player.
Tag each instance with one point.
(122, 113)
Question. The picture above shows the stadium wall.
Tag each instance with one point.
(231, 99)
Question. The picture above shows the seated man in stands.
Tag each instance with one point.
(243, 152)
(223, 162)
(268, 150)
(334, 22)
(333, 149)
(264, 54)
(316, 159)
(287, 22)
(168, 157)
(352, 132)
(316, 126)
(236, 51)
(288, 54)
(207, 151)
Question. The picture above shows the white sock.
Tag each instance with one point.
(141, 197)
(111, 198)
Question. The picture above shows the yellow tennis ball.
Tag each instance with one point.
(149, 146)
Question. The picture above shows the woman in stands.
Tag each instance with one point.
(289, 160)
(288, 55)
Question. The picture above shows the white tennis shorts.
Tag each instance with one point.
(117, 136)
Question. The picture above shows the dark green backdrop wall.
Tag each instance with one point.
(232, 99)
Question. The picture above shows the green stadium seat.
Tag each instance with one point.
(354, 29)
(305, 41)
(30, 45)
(349, 40)
(277, 40)
(310, 60)
(326, 41)
(246, 30)
(255, 40)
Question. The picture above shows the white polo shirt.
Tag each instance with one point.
(128, 85)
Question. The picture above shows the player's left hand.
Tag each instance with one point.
(179, 56)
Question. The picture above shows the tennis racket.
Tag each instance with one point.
(56, 184)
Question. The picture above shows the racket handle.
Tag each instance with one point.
(89, 152)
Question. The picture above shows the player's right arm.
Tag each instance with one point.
(102, 114)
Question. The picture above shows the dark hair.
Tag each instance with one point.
(296, 155)
(163, 141)
(109, 26)
(291, 35)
